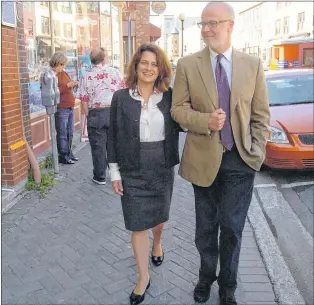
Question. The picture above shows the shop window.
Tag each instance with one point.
(56, 6)
(68, 30)
(30, 25)
(286, 25)
(86, 23)
(44, 3)
(277, 27)
(79, 9)
(264, 57)
(307, 60)
(66, 7)
(92, 7)
(57, 29)
(45, 26)
(301, 17)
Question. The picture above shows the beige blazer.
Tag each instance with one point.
(195, 96)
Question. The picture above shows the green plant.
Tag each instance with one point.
(47, 179)
(47, 163)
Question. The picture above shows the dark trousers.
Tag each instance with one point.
(97, 128)
(64, 119)
(223, 205)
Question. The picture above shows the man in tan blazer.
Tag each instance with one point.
(220, 96)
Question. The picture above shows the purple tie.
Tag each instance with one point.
(226, 137)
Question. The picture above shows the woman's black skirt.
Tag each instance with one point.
(147, 191)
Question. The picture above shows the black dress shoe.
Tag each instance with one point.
(138, 298)
(227, 299)
(202, 291)
(157, 260)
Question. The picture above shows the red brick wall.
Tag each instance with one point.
(14, 163)
(142, 30)
(142, 26)
(23, 74)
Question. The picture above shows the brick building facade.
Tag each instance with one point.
(142, 30)
(14, 159)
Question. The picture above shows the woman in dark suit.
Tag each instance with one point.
(142, 152)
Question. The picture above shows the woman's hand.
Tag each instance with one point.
(72, 84)
(117, 187)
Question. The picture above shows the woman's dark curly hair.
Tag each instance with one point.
(165, 72)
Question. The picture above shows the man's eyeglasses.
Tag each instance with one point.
(211, 24)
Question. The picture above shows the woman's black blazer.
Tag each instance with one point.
(124, 131)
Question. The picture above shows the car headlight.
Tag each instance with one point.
(278, 136)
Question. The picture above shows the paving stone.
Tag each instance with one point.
(252, 270)
(51, 285)
(119, 285)
(256, 287)
(254, 278)
(181, 296)
(159, 286)
(23, 289)
(259, 297)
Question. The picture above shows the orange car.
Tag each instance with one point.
(291, 141)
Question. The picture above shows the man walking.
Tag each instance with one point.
(220, 96)
(95, 91)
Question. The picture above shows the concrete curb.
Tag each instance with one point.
(284, 286)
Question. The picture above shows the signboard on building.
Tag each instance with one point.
(8, 14)
(158, 7)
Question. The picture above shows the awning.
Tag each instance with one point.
(66, 44)
(155, 32)
(47, 42)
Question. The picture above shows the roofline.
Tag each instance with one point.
(247, 9)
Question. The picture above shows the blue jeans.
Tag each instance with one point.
(64, 119)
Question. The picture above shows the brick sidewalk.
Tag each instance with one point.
(72, 248)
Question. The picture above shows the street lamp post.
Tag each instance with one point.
(132, 17)
(182, 18)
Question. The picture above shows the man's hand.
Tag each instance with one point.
(216, 120)
(117, 187)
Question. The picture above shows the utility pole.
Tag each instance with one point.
(52, 28)
(129, 37)
(51, 105)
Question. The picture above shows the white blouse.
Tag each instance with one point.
(152, 126)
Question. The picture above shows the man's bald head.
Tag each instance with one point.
(221, 6)
(97, 56)
(217, 25)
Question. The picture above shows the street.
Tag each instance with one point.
(286, 198)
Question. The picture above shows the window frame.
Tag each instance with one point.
(42, 19)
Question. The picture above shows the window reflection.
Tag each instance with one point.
(77, 27)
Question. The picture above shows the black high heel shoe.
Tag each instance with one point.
(157, 260)
(138, 298)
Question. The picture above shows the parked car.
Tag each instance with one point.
(291, 140)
